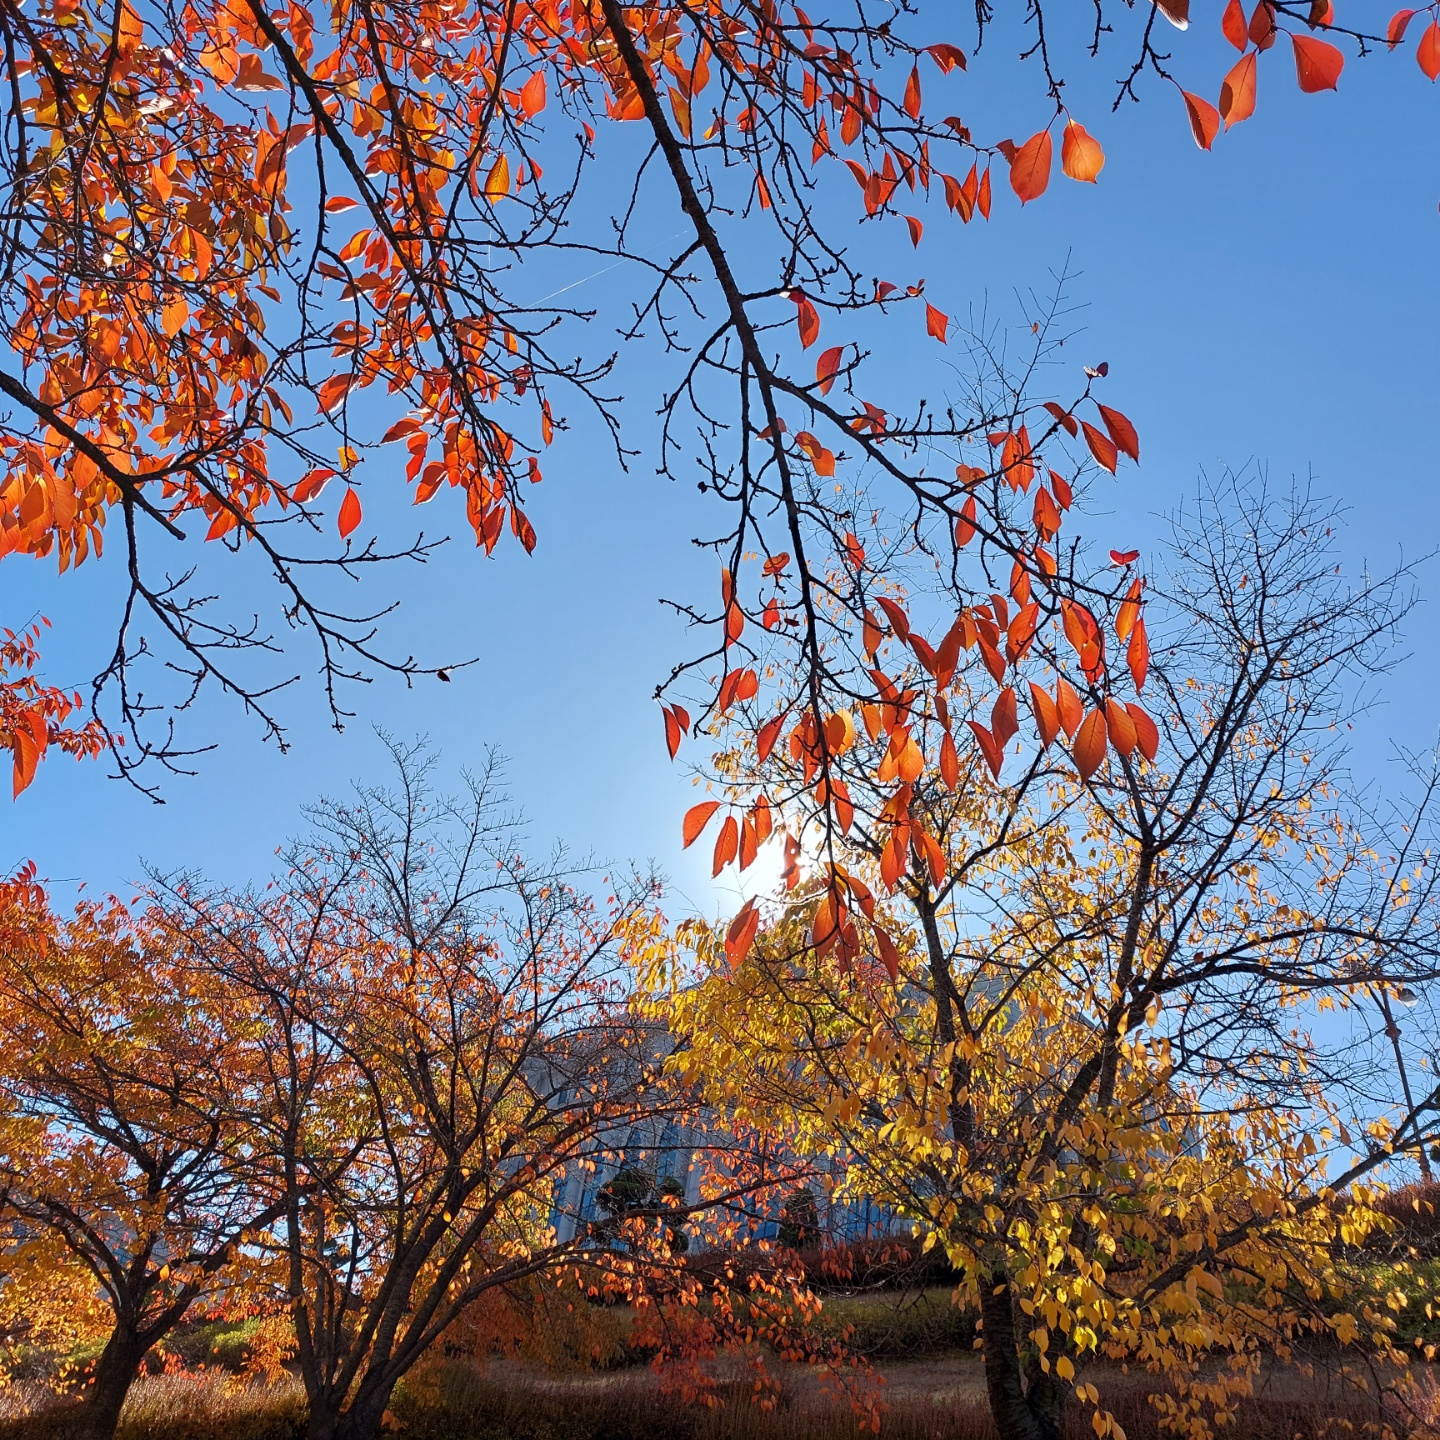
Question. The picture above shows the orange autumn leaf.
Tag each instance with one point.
(497, 182)
(827, 367)
(889, 955)
(1122, 432)
(1233, 26)
(937, 323)
(697, 817)
(1030, 167)
(1089, 744)
(1119, 726)
(741, 935)
(727, 845)
(1067, 706)
(993, 753)
(677, 722)
(1204, 119)
(1399, 23)
(1003, 722)
(1137, 654)
(532, 95)
(1102, 447)
(1317, 63)
(947, 56)
(1427, 52)
(911, 101)
(1147, 735)
(1047, 717)
(766, 737)
(1081, 157)
(174, 315)
(1237, 93)
(949, 763)
(808, 321)
(349, 516)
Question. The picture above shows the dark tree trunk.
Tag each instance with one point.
(323, 1422)
(1025, 1403)
(361, 1420)
(115, 1372)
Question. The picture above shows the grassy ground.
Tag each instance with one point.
(920, 1364)
(938, 1398)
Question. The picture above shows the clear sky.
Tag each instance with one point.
(1272, 303)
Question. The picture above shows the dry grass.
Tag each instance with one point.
(939, 1399)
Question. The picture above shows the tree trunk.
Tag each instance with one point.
(361, 1420)
(1024, 1406)
(115, 1372)
(323, 1422)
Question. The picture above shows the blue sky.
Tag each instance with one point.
(1272, 303)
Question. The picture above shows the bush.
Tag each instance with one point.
(1415, 1211)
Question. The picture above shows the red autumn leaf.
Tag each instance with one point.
(912, 95)
(309, 485)
(1427, 52)
(1130, 606)
(1399, 23)
(947, 57)
(727, 845)
(1177, 12)
(349, 512)
(1119, 726)
(917, 229)
(1081, 157)
(1122, 432)
(741, 934)
(1204, 119)
(827, 367)
(672, 731)
(936, 322)
(222, 524)
(1067, 706)
(982, 200)
(400, 429)
(1147, 737)
(697, 817)
(1047, 718)
(1237, 94)
(808, 321)
(1317, 63)
(1030, 167)
(994, 756)
(1003, 724)
(766, 737)
(1101, 447)
(934, 856)
(1124, 557)
(965, 524)
(949, 763)
(532, 94)
(1063, 417)
(1232, 23)
(1137, 654)
(895, 613)
(889, 955)
(1089, 745)
(1262, 25)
